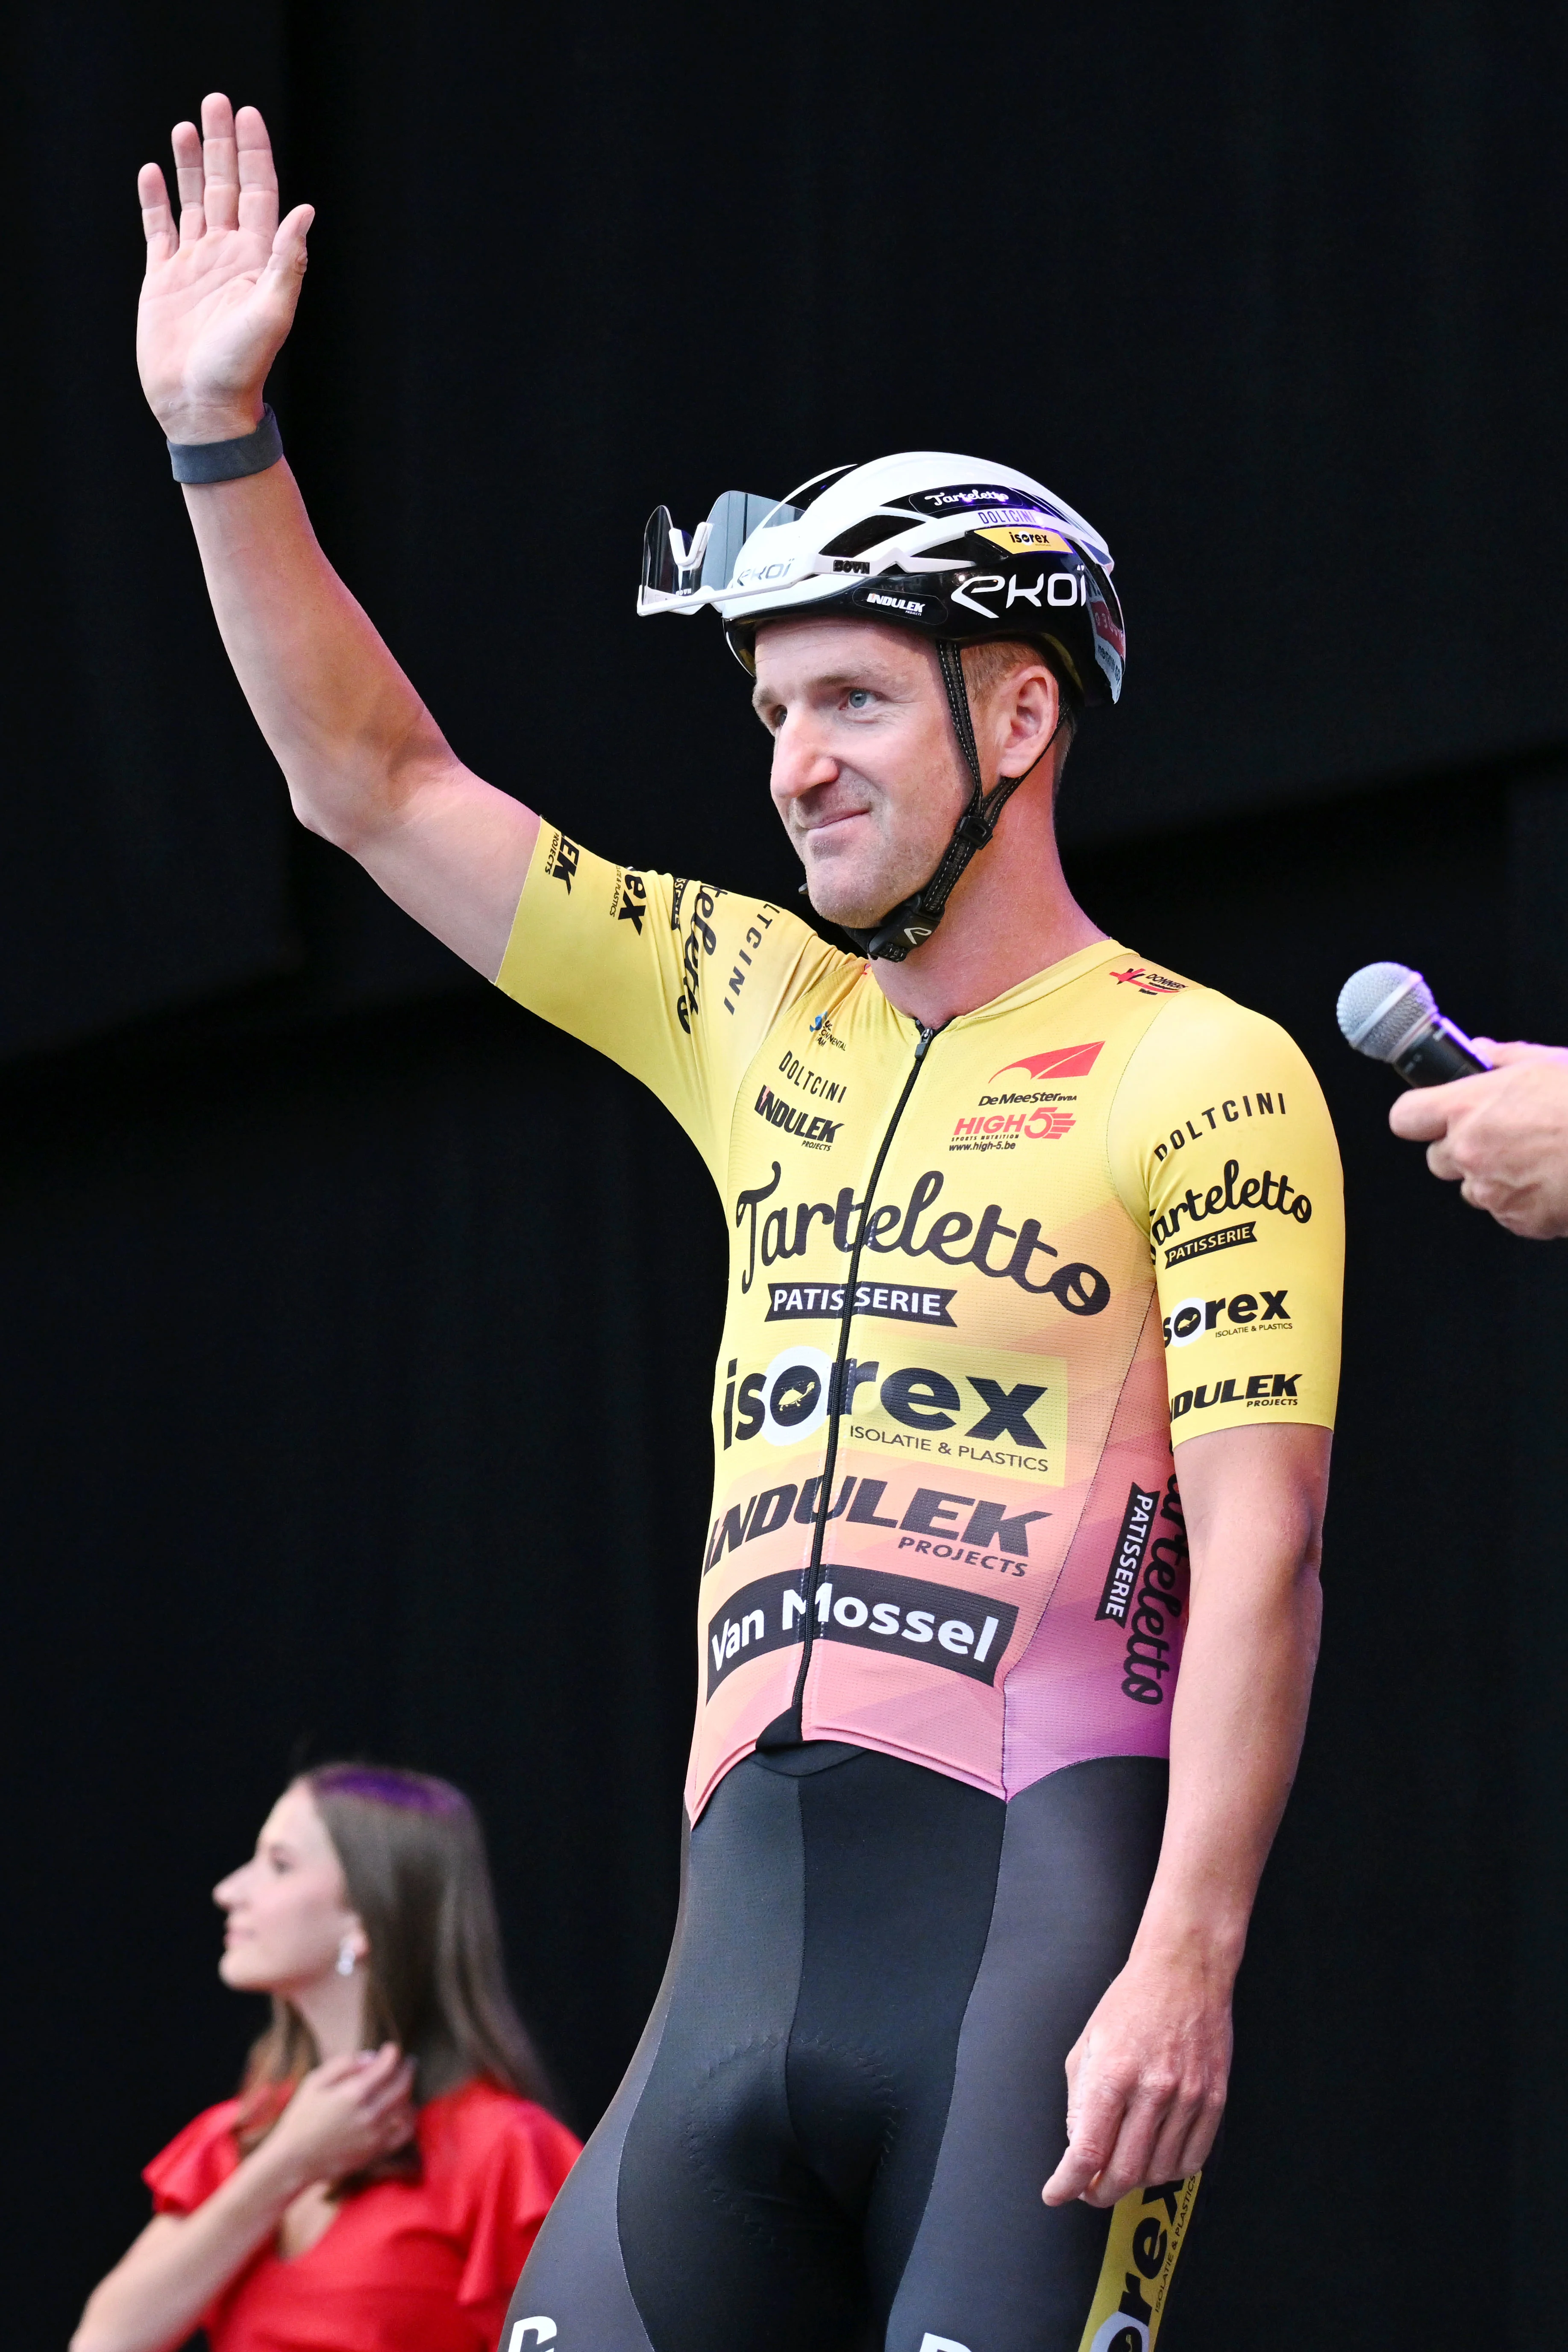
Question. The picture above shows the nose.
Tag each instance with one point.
(801, 760)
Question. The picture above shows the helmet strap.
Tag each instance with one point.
(910, 923)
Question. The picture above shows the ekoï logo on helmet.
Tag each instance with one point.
(904, 1616)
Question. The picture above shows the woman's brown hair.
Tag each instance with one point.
(413, 1857)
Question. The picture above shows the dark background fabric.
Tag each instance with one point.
(355, 1329)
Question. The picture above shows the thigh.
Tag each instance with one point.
(692, 2222)
(991, 2269)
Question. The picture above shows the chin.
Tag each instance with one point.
(241, 1972)
(848, 898)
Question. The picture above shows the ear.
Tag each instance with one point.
(1027, 712)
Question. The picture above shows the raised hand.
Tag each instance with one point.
(345, 2114)
(220, 292)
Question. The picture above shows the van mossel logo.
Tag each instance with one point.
(904, 1616)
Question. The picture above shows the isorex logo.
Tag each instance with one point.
(531, 2331)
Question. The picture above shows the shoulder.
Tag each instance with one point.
(1205, 1019)
(1199, 1036)
(196, 2162)
(480, 2129)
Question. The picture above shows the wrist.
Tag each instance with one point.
(277, 2172)
(188, 423)
(1204, 1947)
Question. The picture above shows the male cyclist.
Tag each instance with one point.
(1009, 1211)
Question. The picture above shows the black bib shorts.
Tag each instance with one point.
(835, 2130)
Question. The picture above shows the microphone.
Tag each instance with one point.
(1387, 1011)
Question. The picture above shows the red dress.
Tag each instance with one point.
(426, 2265)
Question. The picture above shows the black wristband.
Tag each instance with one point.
(228, 461)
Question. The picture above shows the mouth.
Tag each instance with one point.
(826, 832)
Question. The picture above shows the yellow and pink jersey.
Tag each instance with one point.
(979, 1282)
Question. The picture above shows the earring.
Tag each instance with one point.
(346, 1956)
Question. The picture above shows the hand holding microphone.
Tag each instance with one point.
(1495, 1118)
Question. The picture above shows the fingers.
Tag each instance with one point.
(157, 218)
(379, 2066)
(1198, 2144)
(1183, 2140)
(220, 163)
(257, 175)
(187, 142)
(1424, 1112)
(287, 262)
(1093, 2131)
(339, 2070)
(387, 2090)
(1516, 1051)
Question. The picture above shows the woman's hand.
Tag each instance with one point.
(345, 2114)
(220, 293)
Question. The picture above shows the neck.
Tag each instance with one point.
(1011, 915)
(334, 2009)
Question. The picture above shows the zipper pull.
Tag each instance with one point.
(926, 1037)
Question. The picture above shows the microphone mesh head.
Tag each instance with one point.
(1380, 1004)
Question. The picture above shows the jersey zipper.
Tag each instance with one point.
(781, 1731)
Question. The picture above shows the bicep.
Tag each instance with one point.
(454, 855)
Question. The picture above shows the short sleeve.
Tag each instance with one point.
(196, 2162)
(678, 982)
(1222, 1149)
(512, 2188)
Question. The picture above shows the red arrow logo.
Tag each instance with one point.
(1062, 1061)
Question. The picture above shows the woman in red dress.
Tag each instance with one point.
(378, 2182)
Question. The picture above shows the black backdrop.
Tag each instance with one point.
(338, 1401)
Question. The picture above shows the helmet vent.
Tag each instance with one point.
(867, 533)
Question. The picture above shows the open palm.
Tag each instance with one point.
(220, 292)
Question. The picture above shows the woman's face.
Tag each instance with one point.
(288, 1907)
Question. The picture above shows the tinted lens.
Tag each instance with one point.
(733, 518)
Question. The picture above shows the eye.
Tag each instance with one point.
(859, 697)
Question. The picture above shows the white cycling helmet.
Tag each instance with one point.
(946, 545)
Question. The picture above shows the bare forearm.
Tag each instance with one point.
(155, 2295)
(1237, 1725)
(347, 729)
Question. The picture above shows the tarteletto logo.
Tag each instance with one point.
(1061, 1061)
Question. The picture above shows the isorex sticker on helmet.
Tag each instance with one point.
(1014, 542)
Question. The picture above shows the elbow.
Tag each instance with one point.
(328, 824)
